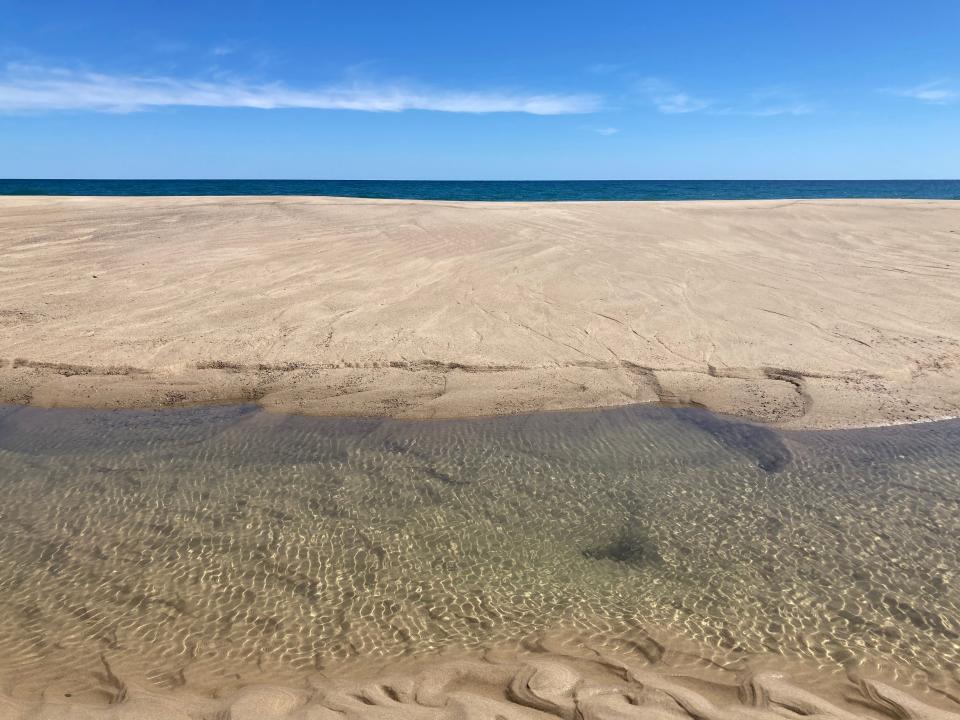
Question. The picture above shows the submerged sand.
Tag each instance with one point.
(813, 313)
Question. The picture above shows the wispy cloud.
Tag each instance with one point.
(672, 100)
(606, 131)
(938, 92)
(669, 100)
(32, 88)
(769, 103)
(680, 102)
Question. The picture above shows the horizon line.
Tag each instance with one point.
(466, 180)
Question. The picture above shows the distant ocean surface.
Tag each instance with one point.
(505, 190)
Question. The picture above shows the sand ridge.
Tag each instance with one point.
(812, 313)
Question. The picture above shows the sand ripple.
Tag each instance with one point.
(573, 680)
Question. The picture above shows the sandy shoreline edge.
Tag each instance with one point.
(802, 314)
(548, 676)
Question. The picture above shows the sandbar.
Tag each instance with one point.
(810, 313)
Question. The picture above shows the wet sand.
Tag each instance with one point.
(546, 677)
(640, 562)
(817, 313)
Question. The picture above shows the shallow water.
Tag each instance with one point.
(227, 537)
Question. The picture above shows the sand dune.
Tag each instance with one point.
(801, 313)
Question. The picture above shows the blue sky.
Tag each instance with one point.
(491, 90)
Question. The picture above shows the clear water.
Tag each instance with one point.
(504, 190)
(226, 537)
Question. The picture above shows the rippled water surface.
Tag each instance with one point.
(225, 537)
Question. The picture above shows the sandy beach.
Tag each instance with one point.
(547, 677)
(817, 313)
(500, 361)
(803, 314)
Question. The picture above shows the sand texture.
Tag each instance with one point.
(815, 313)
(541, 680)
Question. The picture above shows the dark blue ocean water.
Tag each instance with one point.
(503, 190)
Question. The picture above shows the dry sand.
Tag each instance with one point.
(816, 313)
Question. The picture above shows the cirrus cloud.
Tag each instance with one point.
(770, 102)
(669, 100)
(30, 88)
(937, 92)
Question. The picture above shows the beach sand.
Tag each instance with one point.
(820, 313)
(550, 676)
(814, 313)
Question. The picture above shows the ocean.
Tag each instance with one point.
(504, 190)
